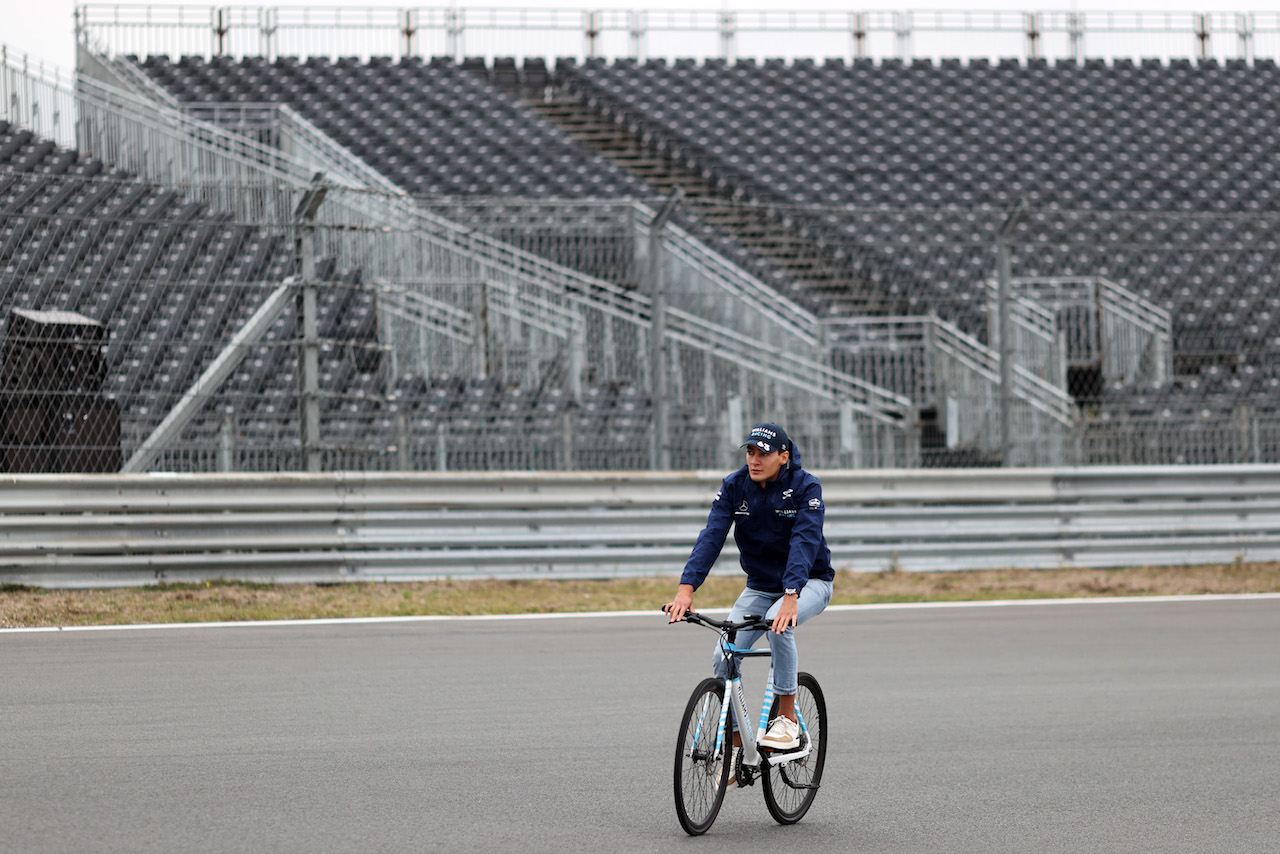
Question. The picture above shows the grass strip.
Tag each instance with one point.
(229, 601)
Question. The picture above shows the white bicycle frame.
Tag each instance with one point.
(735, 695)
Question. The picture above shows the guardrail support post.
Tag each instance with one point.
(735, 428)
(566, 441)
(402, 442)
(227, 444)
(902, 34)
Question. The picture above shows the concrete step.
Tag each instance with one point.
(794, 255)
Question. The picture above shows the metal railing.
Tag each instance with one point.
(671, 32)
(940, 368)
(1102, 325)
(1038, 342)
(610, 239)
(1243, 433)
(37, 96)
(77, 531)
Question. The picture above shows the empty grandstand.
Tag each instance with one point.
(916, 261)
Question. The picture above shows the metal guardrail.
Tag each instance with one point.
(116, 530)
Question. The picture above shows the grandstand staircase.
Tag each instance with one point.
(817, 276)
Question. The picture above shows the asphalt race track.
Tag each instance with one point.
(1127, 727)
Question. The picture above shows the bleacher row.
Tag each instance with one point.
(173, 281)
(438, 129)
(1100, 136)
(433, 128)
(609, 426)
(1157, 176)
(901, 171)
(1163, 164)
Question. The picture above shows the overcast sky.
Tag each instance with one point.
(45, 30)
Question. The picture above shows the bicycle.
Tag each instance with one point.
(704, 753)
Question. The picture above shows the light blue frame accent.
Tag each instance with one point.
(735, 694)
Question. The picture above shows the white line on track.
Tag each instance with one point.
(888, 606)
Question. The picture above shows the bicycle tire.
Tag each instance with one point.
(789, 789)
(699, 790)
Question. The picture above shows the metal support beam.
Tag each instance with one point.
(1033, 34)
(591, 33)
(858, 30)
(308, 325)
(660, 438)
(728, 36)
(1075, 35)
(408, 31)
(222, 367)
(1004, 238)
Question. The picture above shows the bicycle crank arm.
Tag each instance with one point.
(779, 759)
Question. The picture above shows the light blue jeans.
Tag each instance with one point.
(814, 597)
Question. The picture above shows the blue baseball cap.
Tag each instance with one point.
(768, 438)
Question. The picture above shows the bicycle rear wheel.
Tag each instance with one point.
(789, 789)
(701, 772)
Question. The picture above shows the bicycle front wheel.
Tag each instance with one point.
(701, 771)
(789, 789)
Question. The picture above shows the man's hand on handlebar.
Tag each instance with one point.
(788, 615)
(681, 605)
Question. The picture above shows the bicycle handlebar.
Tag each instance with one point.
(748, 622)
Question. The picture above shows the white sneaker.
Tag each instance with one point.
(733, 769)
(783, 734)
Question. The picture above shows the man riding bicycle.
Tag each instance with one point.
(777, 513)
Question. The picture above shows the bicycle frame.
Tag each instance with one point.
(735, 695)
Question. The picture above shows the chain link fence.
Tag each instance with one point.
(120, 295)
(436, 347)
(179, 297)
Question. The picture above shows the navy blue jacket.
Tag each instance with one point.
(778, 530)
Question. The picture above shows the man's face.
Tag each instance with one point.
(765, 467)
